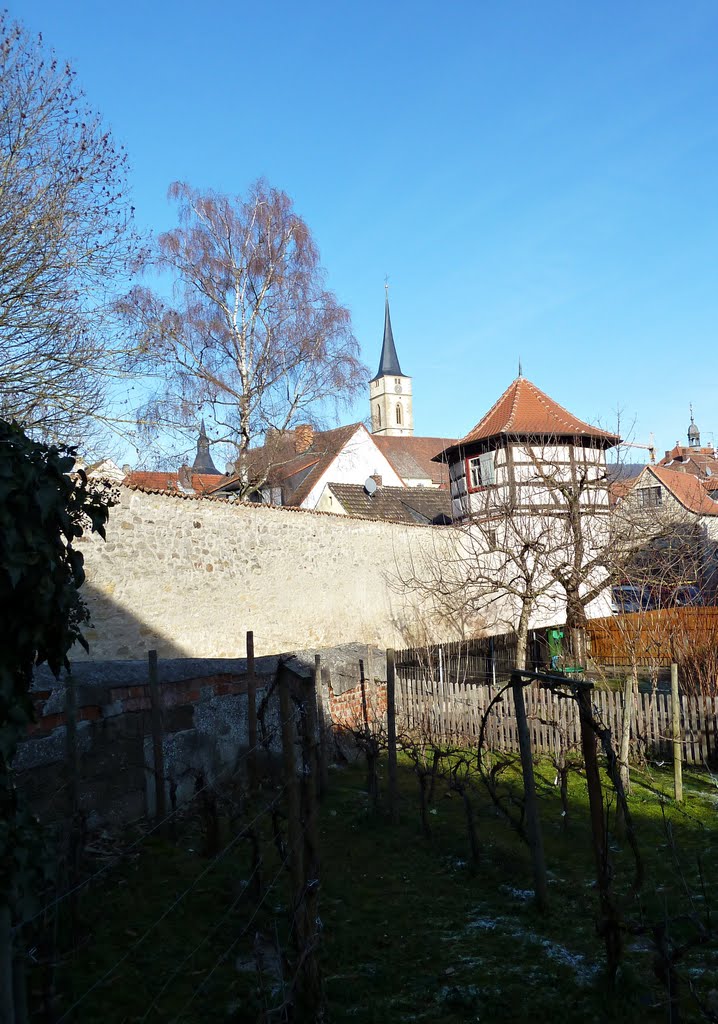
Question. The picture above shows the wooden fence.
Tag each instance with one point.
(452, 713)
(652, 639)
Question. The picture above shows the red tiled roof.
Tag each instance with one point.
(685, 488)
(412, 457)
(202, 483)
(701, 462)
(278, 462)
(525, 411)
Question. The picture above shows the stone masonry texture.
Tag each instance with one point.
(190, 577)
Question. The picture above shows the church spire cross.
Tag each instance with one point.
(389, 361)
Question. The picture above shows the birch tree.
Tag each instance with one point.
(252, 336)
(65, 237)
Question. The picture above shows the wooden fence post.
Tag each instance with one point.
(73, 761)
(158, 752)
(391, 734)
(533, 824)
(610, 924)
(310, 984)
(75, 836)
(294, 824)
(252, 716)
(7, 1002)
(676, 719)
(324, 728)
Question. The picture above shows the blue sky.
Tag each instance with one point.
(538, 180)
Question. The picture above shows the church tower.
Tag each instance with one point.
(392, 414)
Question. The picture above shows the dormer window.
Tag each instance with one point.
(650, 497)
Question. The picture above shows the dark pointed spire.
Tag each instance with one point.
(521, 370)
(203, 460)
(694, 434)
(389, 362)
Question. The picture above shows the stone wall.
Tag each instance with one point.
(205, 728)
(189, 577)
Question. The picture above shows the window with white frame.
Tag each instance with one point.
(481, 470)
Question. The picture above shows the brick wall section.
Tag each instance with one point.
(204, 720)
(127, 699)
(347, 707)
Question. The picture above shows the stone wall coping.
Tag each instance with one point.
(225, 499)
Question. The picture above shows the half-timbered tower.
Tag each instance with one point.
(392, 414)
(521, 452)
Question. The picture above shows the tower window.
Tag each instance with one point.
(398, 415)
(481, 471)
(378, 415)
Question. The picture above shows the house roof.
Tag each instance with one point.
(524, 410)
(389, 361)
(279, 463)
(621, 477)
(684, 487)
(202, 483)
(395, 504)
(413, 457)
(700, 462)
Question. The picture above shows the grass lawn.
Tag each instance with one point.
(409, 932)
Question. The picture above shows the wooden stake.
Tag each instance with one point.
(294, 824)
(252, 716)
(73, 761)
(310, 985)
(610, 923)
(391, 734)
(7, 1002)
(533, 824)
(158, 752)
(324, 728)
(676, 719)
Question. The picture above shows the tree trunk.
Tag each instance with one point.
(522, 635)
(625, 748)
(576, 628)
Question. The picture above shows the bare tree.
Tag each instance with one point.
(254, 337)
(534, 551)
(65, 236)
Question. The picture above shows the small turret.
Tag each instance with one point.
(203, 460)
(694, 434)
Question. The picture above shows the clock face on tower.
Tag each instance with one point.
(397, 388)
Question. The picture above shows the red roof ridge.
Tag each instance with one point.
(223, 499)
(514, 404)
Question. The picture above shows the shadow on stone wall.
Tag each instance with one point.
(118, 633)
(205, 719)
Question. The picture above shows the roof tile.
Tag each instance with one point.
(524, 410)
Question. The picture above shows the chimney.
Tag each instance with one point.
(376, 477)
(184, 477)
(303, 437)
